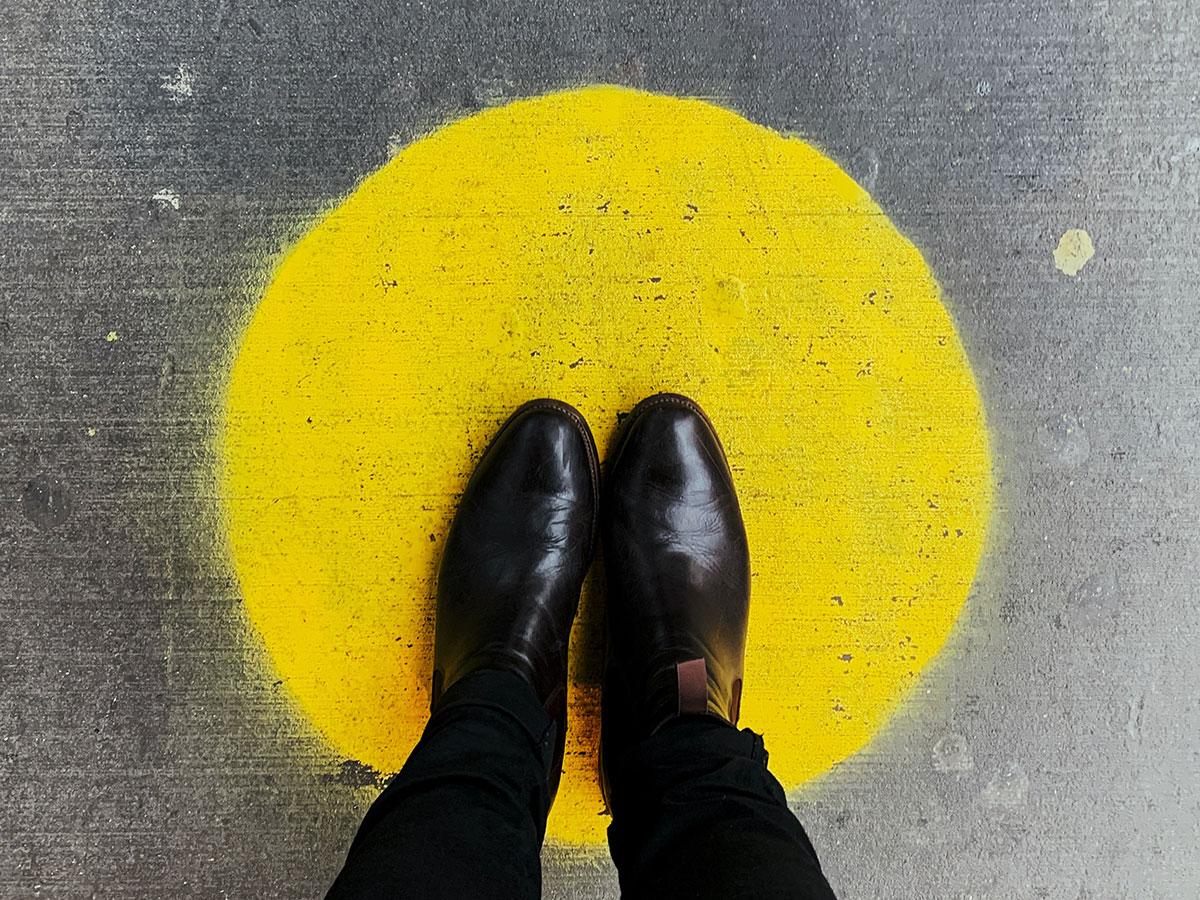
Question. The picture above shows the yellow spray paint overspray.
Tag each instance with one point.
(599, 245)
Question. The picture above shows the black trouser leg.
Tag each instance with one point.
(465, 818)
(696, 814)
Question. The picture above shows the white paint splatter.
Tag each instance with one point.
(1074, 250)
(178, 84)
(166, 197)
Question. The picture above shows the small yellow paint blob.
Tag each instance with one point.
(597, 246)
(91, 431)
(1074, 250)
(112, 337)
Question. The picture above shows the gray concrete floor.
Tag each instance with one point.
(1051, 752)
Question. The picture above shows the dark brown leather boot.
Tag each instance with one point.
(678, 573)
(516, 555)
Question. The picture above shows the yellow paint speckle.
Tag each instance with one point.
(112, 337)
(91, 432)
(597, 246)
(1073, 251)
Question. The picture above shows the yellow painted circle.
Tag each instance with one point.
(597, 246)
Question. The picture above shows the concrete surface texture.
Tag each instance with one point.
(154, 162)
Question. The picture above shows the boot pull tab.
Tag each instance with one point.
(692, 678)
